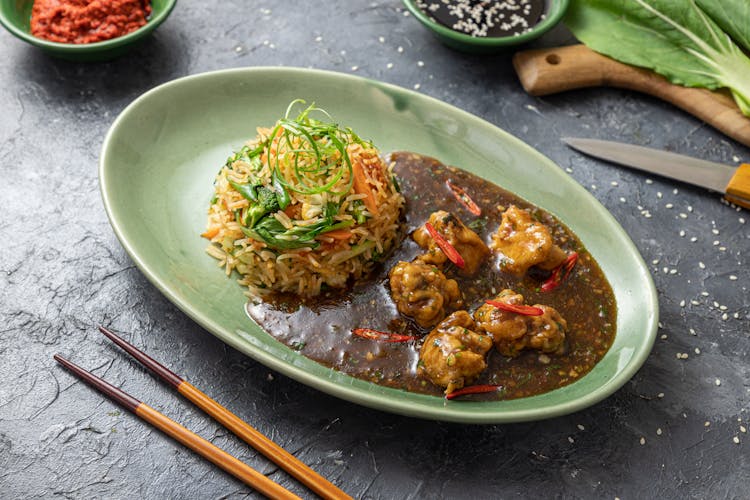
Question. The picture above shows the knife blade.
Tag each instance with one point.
(733, 182)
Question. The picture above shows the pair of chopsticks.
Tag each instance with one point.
(251, 436)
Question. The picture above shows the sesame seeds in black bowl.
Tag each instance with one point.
(483, 26)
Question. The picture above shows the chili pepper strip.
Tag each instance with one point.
(473, 389)
(464, 199)
(369, 333)
(518, 309)
(448, 249)
(555, 278)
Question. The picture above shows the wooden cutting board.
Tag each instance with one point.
(546, 71)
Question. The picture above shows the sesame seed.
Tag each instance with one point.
(355, 68)
(673, 271)
(664, 337)
(658, 431)
(675, 191)
(642, 441)
(660, 395)
(580, 427)
(614, 183)
(649, 181)
(655, 261)
(693, 239)
(682, 303)
(669, 205)
(682, 234)
(416, 86)
(723, 308)
(717, 382)
(742, 220)
(381, 39)
(689, 208)
(724, 316)
(697, 351)
(658, 194)
(717, 243)
(695, 303)
(732, 277)
(318, 38)
(743, 429)
(715, 231)
(736, 440)
(420, 63)
(705, 294)
(570, 440)
(701, 265)
(400, 49)
(389, 65)
(683, 215)
(622, 200)
(692, 332)
(706, 424)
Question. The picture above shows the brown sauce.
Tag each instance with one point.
(321, 330)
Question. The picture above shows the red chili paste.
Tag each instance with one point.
(87, 21)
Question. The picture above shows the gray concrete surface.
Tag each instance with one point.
(676, 430)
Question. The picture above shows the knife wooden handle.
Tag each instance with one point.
(738, 190)
(546, 71)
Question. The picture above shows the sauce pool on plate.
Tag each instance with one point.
(87, 21)
(322, 328)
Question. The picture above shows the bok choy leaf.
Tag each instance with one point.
(690, 42)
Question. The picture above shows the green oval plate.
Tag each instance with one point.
(157, 168)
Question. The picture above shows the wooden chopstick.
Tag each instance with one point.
(240, 428)
(238, 469)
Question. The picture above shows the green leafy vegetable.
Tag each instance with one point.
(248, 191)
(266, 203)
(282, 195)
(684, 40)
(273, 233)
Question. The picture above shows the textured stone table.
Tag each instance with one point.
(677, 429)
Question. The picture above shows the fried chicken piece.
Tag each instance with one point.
(453, 355)
(522, 242)
(466, 242)
(422, 292)
(512, 332)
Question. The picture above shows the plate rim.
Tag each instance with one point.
(449, 411)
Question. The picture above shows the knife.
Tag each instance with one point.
(734, 182)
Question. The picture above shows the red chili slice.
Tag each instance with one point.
(445, 246)
(557, 276)
(518, 309)
(464, 198)
(473, 389)
(369, 333)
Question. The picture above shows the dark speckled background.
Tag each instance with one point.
(676, 430)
